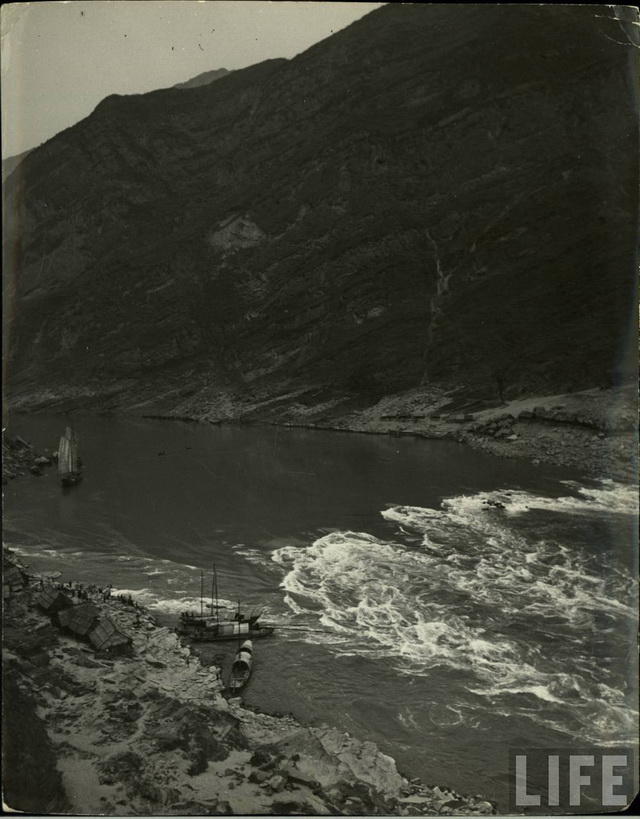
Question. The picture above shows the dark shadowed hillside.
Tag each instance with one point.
(435, 195)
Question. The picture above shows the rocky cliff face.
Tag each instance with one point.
(434, 195)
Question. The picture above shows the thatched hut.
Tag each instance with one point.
(13, 581)
(78, 620)
(105, 636)
(52, 600)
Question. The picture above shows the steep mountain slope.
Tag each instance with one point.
(436, 194)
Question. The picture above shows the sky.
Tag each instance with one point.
(60, 59)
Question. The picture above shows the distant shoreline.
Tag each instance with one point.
(598, 451)
(593, 431)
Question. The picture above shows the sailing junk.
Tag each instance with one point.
(68, 468)
(211, 629)
(212, 632)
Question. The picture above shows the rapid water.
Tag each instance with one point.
(411, 611)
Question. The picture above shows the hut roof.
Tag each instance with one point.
(14, 578)
(106, 636)
(79, 619)
(53, 599)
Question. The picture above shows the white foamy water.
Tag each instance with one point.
(608, 498)
(175, 588)
(474, 588)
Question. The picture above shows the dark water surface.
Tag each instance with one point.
(442, 628)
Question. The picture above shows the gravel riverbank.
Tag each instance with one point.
(595, 431)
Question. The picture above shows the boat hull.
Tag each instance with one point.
(237, 683)
(213, 635)
(71, 479)
(241, 668)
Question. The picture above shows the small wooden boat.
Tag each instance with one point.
(241, 668)
(68, 461)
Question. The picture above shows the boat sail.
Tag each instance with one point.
(68, 466)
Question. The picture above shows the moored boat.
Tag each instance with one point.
(230, 630)
(210, 628)
(241, 668)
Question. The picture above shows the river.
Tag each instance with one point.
(409, 610)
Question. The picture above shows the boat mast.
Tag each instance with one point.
(215, 592)
(73, 450)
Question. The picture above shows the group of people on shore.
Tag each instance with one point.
(92, 591)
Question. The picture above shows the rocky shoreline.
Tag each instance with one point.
(20, 458)
(149, 731)
(594, 431)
